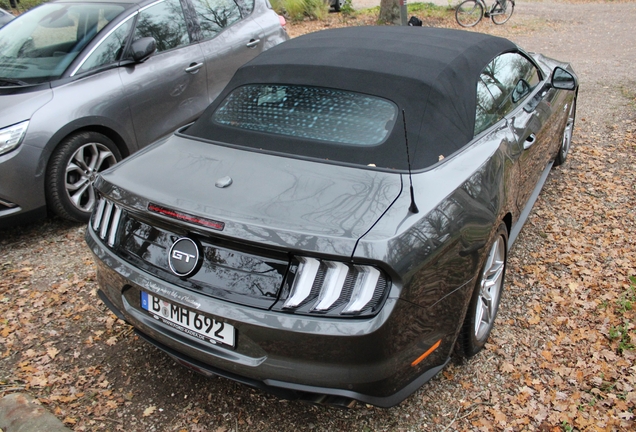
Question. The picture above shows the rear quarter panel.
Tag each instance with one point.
(434, 255)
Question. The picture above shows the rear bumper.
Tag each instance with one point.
(292, 391)
(291, 356)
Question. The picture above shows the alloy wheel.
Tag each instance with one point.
(81, 170)
(490, 288)
(567, 133)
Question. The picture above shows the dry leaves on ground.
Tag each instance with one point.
(562, 354)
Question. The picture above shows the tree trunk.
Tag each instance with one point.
(389, 12)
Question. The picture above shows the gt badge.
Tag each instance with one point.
(184, 257)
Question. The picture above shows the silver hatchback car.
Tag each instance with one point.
(85, 83)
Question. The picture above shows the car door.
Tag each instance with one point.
(270, 22)
(170, 88)
(528, 119)
(97, 91)
(509, 87)
(229, 38)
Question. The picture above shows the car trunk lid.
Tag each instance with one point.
(290, 204)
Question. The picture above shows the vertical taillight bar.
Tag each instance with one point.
(332, 287)
(307, 271)
(363, 289)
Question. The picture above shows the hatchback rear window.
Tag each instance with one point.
(314, 113)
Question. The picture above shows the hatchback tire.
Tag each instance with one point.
(72, 169)
(484, 303)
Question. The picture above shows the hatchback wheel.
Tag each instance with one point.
(484, 304)
(73, 168)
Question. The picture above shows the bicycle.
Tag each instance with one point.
(470, 12)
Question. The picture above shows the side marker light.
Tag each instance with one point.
(427, 353)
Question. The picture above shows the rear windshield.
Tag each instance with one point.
(313, 113)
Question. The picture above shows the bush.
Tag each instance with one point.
(296, 10)
(23, 6)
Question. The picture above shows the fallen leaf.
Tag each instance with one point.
(52, 352)
(507, 367)
(547, 355)
(150, 410)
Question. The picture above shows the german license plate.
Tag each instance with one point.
(193, 323)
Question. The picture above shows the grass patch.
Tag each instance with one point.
(23, 6)
(427, 9)
(297, 10)
(430, 9)
(620, 335)
(629, 93)
(429, 13)
(628, 298)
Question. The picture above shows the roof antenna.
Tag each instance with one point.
(413, 207)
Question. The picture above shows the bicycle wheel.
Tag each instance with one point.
(469, 13)
(502, 11)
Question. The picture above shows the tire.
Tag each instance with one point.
(502, 14)
(484, 303)
(337, 5)
(72, 169)
(469, 13)
(566, 141)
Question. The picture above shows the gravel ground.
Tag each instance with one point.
(552, 363)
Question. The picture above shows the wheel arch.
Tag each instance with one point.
(507, 219)
(69, 173)
(125, 142)
(464, 340)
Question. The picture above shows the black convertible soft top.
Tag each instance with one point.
(429, 73)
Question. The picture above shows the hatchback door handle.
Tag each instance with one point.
(532, 138)
(194, 68)
(253, 43)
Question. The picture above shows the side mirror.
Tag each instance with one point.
(143, 48)
(562, 79)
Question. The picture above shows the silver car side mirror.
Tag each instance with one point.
(143, 48)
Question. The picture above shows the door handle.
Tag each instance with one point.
(194, 68)
(532, 138)
(252, 43)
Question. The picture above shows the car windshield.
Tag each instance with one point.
(305, 112)
(39, 46)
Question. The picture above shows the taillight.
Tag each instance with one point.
(105, 220)
(282, 21)
(179, 215)
(335, 288)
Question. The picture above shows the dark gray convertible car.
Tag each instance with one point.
(338, 220)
